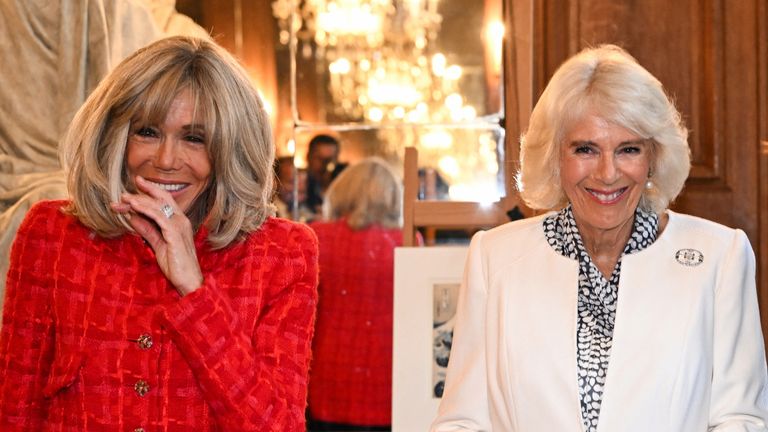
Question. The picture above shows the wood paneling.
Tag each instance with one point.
(518, 90)
(762, 186)
(247, 30)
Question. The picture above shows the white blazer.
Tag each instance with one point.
(687, 349)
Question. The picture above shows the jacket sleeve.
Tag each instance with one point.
(254, 381)
(27, 333)
(464, 406)
(739, 380)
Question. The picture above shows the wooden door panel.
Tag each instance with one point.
(762, 185)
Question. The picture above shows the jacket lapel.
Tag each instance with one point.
(538, 339)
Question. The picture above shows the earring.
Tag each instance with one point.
(649, 184)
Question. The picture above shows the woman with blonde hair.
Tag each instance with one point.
(163, 295)
(609, 312)
(350, 385)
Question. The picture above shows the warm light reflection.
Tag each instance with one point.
(290, 146)
(438, 64)
(349, 19)
(453, 72)
(436, 139)
(375, 52)
(383, 63)
(300, 160)
(264, 101)
(482, 192)
(454, 101)
(392, 92)
(449, 166)
(495, 31)
(494, 35)
(467, 161)
(375, 114)
(340, 66)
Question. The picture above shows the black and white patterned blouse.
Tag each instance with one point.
(597, 302)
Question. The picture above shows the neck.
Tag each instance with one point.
(605, 245)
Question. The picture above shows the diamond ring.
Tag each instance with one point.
(167, 210)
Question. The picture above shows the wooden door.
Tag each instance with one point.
(711, 56)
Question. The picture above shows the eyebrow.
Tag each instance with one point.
(194, 127)
(590, 142)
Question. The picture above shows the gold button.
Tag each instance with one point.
(144, 341)
(141, 387)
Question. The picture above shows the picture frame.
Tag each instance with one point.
(424, 276)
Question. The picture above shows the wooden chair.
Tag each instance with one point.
(444, 214)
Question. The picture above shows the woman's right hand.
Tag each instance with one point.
(168, 232)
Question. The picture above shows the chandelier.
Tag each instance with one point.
(379, 58)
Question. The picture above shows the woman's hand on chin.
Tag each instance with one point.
(156, 217)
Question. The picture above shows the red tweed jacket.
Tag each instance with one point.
(94, 337)
(351, 374)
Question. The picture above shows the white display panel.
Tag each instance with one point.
(425, 280)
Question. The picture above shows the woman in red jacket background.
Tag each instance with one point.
(163, 296)
(351, 375)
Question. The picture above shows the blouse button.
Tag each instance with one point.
(138, 430)
(144, 341)
(141, 387)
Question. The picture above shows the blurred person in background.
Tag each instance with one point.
(322, 167)
(351, 375)
(291, 191)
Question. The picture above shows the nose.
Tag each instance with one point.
(607, 171)
(166, 157)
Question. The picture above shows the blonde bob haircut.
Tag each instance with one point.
(366, 193)
(605, 81)
(140, 91)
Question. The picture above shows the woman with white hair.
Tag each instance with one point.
(610, 312)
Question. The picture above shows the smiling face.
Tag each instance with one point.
(172, 154)
(603, 170)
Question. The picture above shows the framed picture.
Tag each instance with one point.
(427, 281)
(444, 298)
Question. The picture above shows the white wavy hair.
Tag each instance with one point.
(610, 83)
